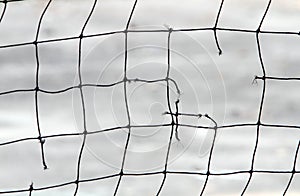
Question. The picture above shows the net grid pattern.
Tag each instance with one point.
(174, 124)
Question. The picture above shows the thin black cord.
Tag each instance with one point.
(293, 170)
(3, 10)
(215, 27)
(82, 98)
(170, 111)
(126, 99)
(262, 97)
(42, 141)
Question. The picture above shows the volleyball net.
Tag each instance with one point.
(173, 106)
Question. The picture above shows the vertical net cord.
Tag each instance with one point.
(170, 111)
(215, 27)
(30, 189)
(41, 140)
(82, 98)
(125, 80)
(210, 152)
(177, 120)
(262, 97)
(293, 170)
(3, 11)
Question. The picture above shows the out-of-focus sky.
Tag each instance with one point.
(220, 86)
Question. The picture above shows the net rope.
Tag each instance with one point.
(174, 115)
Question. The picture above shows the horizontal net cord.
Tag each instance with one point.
(150, 31)
(149, 126)
(151, 173)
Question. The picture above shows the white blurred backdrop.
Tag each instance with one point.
(220, 86)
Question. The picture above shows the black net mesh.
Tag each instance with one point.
(172, 110)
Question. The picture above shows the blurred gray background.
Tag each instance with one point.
(220, 86)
